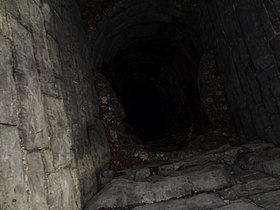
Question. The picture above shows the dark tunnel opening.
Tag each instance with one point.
(155, 79)
(139, 104)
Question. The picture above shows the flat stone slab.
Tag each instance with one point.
(122, 192)
(201, 201)
(240, 205)
(251, 188)
(265, 161)
(269, 200)
(244, 176)
(224, 154)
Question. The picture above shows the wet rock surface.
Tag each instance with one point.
(216, 179)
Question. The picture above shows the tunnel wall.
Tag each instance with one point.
(245, 38)
(51, 143)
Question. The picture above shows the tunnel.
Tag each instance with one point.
(153, 64)
(156, 81)
(139, 104)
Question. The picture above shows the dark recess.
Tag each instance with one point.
(155, 79)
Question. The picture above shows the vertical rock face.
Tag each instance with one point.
(244, 36)
(48, 157)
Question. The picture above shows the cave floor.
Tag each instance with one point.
(184, 146)
(230, 177)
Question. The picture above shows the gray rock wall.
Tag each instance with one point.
(51, 142)
(245, 36)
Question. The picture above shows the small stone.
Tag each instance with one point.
(104, 100)
(142, 173)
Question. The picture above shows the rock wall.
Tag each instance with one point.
(52, 144)
(245, 37)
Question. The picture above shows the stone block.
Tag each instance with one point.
(266, 161)
(251, 188)
(45, 65)
(14, 190)
(36, 179)
(54, 56)
(61, 191)
(269, 200)
(8, 93)
(142, 173)
(272, 167)
(33, 126)
(59, 131)
(210, 178)
(50, 18)
(4, 27)
(47, 158)
(19, 9)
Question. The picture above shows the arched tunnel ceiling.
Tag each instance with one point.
(130, 20)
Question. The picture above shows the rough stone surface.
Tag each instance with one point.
(240, 204)
(201, 201)
(251, 188)
(122, 192)
(8, 94)
(48, 101)
(266, 161)
(32, 120)
(14, 189)
(99, 145)
(61, 191)
(268, 200)
(59, 132)
(36, 179)
(231, 187)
